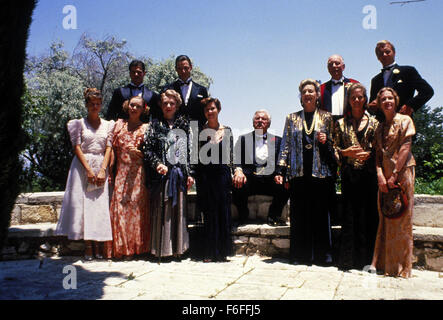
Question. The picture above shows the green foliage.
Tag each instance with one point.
(54, 95)
(429, 126)
(429, 187)
(427, 149)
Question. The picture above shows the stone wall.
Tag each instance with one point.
(35, 215)
(43, 207)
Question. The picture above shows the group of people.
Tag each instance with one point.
(127, 186)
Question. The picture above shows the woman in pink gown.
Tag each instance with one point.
(130, 199)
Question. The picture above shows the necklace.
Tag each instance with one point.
(314, 120)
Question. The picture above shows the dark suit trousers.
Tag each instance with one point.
(260, 185)
(310, 234)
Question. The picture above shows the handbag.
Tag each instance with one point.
(393, 203)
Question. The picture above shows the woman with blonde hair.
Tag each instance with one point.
(306, 161)
(395, 173)
(130, 198)
(85, 209)
(166, 150)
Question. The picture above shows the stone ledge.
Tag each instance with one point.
(428, 234)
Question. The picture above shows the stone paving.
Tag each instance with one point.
(241, 278)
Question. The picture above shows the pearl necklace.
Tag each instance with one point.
(314, 120)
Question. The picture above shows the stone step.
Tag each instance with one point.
(43, 207)
(33, 240)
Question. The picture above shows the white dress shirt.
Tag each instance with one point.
(337, 97)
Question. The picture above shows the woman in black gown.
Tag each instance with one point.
(215, 174)
(354, 142)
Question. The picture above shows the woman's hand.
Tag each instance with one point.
(278, 179)
(90, 176)
(101, 177)
(162, 169)
(382, 183)
(351, 152)
(321, 137)
(135, 153)
(190, 182)
(239, 179)
(392, 181)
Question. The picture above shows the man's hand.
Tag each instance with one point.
(239, 179)
(372, 106)
(407, 110)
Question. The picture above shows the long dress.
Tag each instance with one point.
(309, 167)
(130, 199)
(359, 190)
(169, 146)
(85, 215)
(394, 242)
(216, 183)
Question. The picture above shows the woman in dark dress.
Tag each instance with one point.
(166, 150)
(306, 160)
(354, 142)
(215, 174)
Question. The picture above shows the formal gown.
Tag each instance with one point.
(85, 214)
(394, 242)
(169, 145)
(359, 193)
(130, 199)
(215, 193)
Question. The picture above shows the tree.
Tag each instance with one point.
(428, 142)
(15, 20)
(54, 95)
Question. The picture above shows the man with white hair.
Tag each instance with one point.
(333, 92)
(254, 175)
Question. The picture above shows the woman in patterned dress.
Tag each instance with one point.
(166, 150)
(130, 198)
(395, 166)
(85, 209)
(354, 143)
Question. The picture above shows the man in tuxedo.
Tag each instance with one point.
(405, 80)
(255, 173)
(190, 91)
(333, 99)
(136, 87)
(333, 92)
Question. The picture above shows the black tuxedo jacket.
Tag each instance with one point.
(326, 94)
(194, 109)
(404, 81)
(245, 149)
(115, 107)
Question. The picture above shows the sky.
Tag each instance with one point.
(256, 51)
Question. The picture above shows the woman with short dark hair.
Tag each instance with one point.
(215, 178)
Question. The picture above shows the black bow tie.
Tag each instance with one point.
(182, 83)
(387, 68)
(337, 83)
(135, 87)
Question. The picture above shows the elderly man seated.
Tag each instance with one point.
(254, 174)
